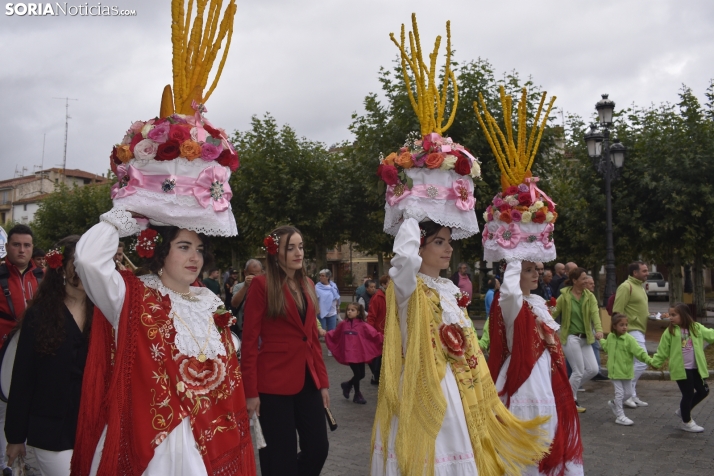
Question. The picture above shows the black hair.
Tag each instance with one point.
(634, 266)
(361, 315)
(20, 230)
(168, 234)
(38, 253)
(491, 283)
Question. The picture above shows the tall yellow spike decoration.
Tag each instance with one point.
(515, 158)
(195, 47)
(429, 103)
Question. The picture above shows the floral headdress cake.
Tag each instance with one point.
(521, 219)
(175, 168)
(430, 172)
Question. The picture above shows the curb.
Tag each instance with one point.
(655, 374)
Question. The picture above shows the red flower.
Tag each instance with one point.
(223, 319)
(54, 258)
(215, 133)
(505, 208)
(512, 190)
(426, 143)
(453, 339)
(169, 150)
(388, 173)
(505, 217)
(135, 140)
(271, 246)
(462, 166)
(552, 302)
(146, 243)
(179, 133)
(524, 198)
(539, 217)
(472, 361)
(550, 206)
(463, 299)
(229, 159)
(114, 157)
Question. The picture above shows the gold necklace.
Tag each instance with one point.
(187, 295)
(202, 355)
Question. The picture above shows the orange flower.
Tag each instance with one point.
(521, 208)
(390, 159)
(124, 153)
(505, 217)
(434, 160)
(190, 150)
(404, 160)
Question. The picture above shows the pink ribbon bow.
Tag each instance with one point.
(508, 237)
(531, 181)
(545, 237)
(212, 188)
(464, 192)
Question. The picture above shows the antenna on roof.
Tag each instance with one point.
(66, 127)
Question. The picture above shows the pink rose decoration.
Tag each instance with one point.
(146, 149)
(497, 202)
(159, 133)
(516, 215)
(137, 126)
(210, 152)
(135, 140)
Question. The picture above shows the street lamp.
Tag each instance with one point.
(607, 159)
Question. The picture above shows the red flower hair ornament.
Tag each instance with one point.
(272, 243)
(146, 243)
(223, 318)
(55, 257)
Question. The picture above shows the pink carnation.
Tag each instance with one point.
(497, 202)
(210, 152)
(159, 133)
(516, 215)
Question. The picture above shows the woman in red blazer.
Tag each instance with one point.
(285, 378)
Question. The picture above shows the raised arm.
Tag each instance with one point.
(94, 261)
(405, 266)
(511, 299)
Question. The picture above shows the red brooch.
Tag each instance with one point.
(54, 258)
(463, 299)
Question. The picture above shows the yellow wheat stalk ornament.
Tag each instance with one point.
(514, 155)
(429, 102)
(195, 47)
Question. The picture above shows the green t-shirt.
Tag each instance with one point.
(576, 316)
(213, 285)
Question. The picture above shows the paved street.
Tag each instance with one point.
(653, 446)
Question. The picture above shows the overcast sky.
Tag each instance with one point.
(310, 63)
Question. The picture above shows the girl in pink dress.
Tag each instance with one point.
(354, 342)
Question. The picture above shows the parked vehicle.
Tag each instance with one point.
(657, 286)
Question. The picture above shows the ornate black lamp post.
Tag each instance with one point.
(607, 159)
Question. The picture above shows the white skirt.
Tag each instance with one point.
(454, 455)
(533, 399)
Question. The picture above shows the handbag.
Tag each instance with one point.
(330, 419)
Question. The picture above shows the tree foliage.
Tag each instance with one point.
(69, 211)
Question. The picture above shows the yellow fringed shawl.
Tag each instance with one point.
(502, 444)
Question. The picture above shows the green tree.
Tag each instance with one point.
(70, 211)
(286, 180)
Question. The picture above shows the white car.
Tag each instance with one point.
(657, 286)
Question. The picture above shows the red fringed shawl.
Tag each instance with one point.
(528, 346)
(141, 388)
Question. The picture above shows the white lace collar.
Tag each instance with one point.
(451, 313)
(540, 309)
(195, 320)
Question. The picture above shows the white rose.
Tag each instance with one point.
(476, 170)
(146, 149)
(448, 163)
(485, 216)
(526, 217)
(533, 208)
(549, 217)
(496, 214)
(538, 205)
(512, 201)
(194, 134)
(145, 130)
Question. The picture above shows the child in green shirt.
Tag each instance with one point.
(621, 347)
(683, 345)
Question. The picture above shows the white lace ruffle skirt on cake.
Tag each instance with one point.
(454, 454)
(535, 398)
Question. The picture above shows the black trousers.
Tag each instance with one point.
(358, 374)
(693, 391)
(376, 367)
(280, 417)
